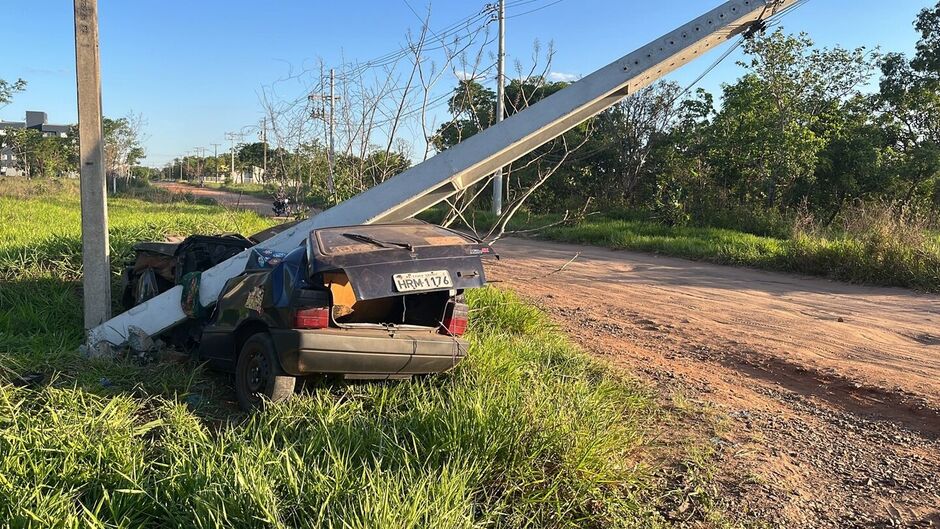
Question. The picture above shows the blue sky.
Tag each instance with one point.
(194, 69)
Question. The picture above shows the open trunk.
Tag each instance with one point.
(396, 276)
(426, 310)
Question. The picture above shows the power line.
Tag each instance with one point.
(771, 21)
(550, 4)
(439, 40)
(711, 67)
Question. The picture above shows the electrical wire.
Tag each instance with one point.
(550, 4)
(441, 36)
(711, 67)
(483, 18)
(772, 21)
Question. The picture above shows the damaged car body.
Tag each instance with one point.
(379, 301)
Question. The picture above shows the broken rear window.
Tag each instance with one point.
(369, 238)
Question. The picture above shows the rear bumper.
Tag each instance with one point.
(366, 352)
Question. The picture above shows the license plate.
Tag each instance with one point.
(414, 281)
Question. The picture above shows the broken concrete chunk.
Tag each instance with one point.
(99, 350)
(138, 340)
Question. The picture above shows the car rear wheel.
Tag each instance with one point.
(258, 375)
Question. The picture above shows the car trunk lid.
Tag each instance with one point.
(386, 260)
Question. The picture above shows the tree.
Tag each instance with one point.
(909, 106)
(852, 165)
(8, 90)
(776, 119)
(627, 134)
(122, 144)
(679, 167)
(253, 154)
(472, 107)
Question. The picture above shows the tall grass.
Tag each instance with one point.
(881, 244)
(527, 432)
(42, 236)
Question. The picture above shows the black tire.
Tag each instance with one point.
(258, 375)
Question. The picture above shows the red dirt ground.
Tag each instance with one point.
(831, 390)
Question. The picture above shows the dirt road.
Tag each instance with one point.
(831, 392)
(225, 198)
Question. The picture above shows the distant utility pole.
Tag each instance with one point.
(200, 153)
(232, 136)
(215, 160)
(330, 120)
(96, 262)
(264, 149)
(500, 96)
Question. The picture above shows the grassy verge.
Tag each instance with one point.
(880, 254)
(872, 258)
(527, 432)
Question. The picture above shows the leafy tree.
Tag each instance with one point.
(122, 144)
(779, 111)
(909, 106)
(473, 108)
(679, 165)
(252, 154)
(38, 155)
(852, 166)
(9, 89)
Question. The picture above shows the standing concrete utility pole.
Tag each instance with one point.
(200, 153)
(500, 97)
(96, 262)
(330, 119)
(215, 159)
(332, 155)
(264, 149)
(232, 136)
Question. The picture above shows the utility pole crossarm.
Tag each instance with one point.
(472, 160)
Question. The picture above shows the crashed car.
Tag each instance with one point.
(380, 301)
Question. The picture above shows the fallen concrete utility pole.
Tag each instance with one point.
(472, 160)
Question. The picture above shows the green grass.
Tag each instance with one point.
(42, 236)
(867, 258)
(527, 432)
(713, 244)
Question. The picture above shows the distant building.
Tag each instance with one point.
(34, 120)
(248, 175)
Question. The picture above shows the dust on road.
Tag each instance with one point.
(832, 391)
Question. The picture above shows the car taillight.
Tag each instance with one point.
(455, 322)
(313, 318)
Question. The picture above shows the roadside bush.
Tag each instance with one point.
(877, 243)
(21, 188)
